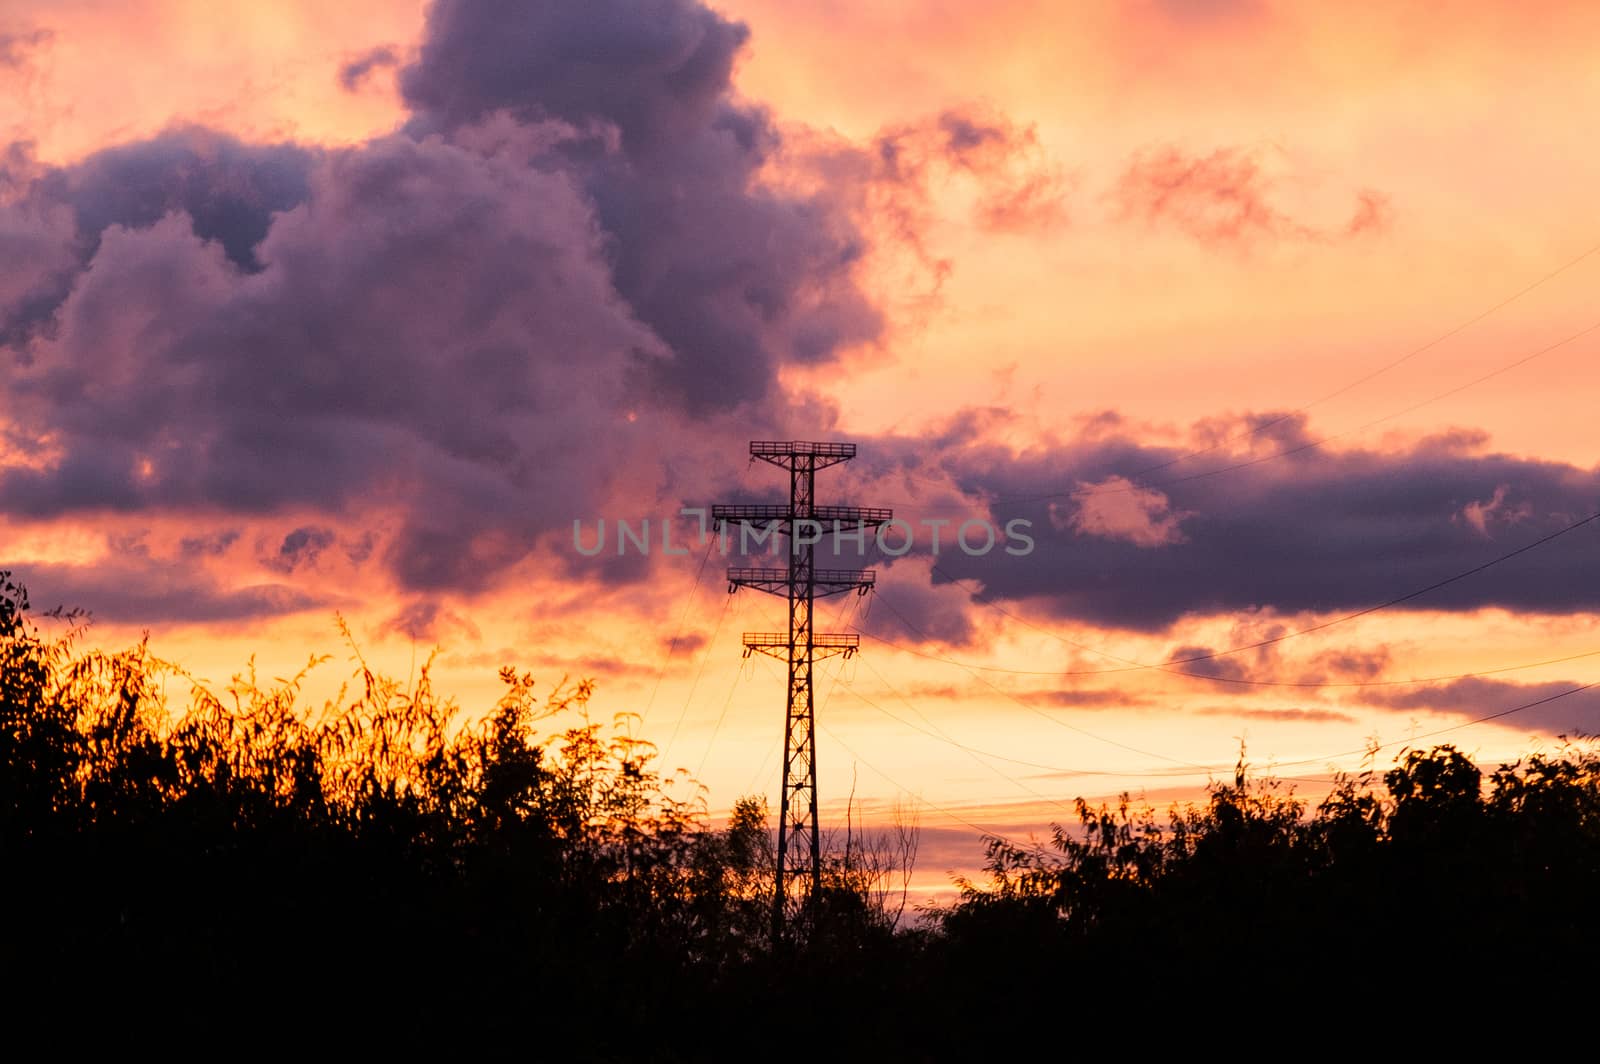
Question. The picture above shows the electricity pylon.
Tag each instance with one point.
(802, 524)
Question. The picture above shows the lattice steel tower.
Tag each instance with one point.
(802, 524)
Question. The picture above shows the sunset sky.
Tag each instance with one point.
(1263, 314)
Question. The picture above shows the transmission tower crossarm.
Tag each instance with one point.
(830, 518)
(827, 581)
(823, 644)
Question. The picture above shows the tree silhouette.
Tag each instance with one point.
(387, 854)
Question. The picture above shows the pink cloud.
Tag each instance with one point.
(1227, 197)
(1124, 512)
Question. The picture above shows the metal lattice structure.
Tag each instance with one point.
(799, 869)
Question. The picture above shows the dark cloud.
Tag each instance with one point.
(208, 545)
(938, 616)
(52, 219)
(1346, 665)
(1318, 531)
(361, 547)
(734, 277)
(1573, 715)
(1256, 671)
(39, 253)
(354, 73)
(229, 190)
(551, 669)
(659, 70)
(1226, 198)
(687, 643)
(131, 587)
(481, 328)
(19, 169)
(299, 548)
(431, 621)
(1221, 668)
(434, 330)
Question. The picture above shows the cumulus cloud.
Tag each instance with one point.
(52, 219)
(228, 189)
(37, 259)
(734, 276)
(432, 329)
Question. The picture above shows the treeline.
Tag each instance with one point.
(243, 855)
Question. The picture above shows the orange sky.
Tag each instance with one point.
(1466, 128)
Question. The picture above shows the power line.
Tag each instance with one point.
(1261, 427)
(946, 737)
(705, 656)
(991, 832)
(677, 633)
(975, 754)
(1381, 370)
(1454, 727)
(1132, 487)
(1209, 769)
(844, 610)
(1059, 723)
(717, 728)
(1272, 766)
(1486, 718)
(1310, 445)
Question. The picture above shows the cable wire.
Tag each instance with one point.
(705, 655)
(1309, 445)
(1381, 370)
(677, 633)
(1486, 718)
(990, 832)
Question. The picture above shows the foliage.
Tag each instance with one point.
(385, 853)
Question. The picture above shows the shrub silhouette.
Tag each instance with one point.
(385, 854)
